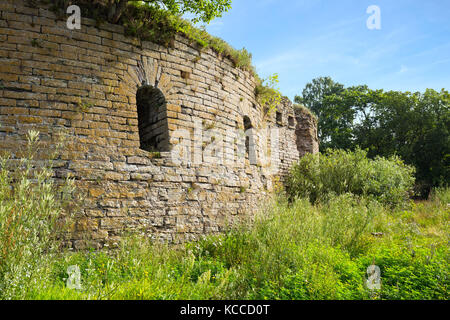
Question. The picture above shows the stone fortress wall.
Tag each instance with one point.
(170, 140)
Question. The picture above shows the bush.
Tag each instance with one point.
(30, 207)
(316, 177)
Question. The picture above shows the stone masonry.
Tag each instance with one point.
(171, 141)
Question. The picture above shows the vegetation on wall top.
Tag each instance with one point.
(267, 93)
(160, 21)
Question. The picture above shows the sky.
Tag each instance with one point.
(304, 39)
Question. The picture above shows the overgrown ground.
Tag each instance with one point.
(294, 250)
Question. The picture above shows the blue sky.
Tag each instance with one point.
(304, 39)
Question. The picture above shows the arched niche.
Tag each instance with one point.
(152, 119)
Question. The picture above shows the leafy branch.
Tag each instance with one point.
(268, 94)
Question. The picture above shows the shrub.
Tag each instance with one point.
(267, 93)
(31, 204)
(316, 177)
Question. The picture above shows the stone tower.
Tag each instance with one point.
(170, 140)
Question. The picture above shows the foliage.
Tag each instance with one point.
(316, 177)
(113, 10)
(160, 22)
(31, 204)
(414, 126)
(304, 109)
(202, 10)
(333, 120)
(411, 272)
(441, 195)
(292, 251)
(267, 93)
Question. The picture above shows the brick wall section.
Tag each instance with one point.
(306, 132)
(85, 82)
(286, 122)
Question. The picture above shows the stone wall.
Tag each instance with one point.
(190, 170)
(306, 132)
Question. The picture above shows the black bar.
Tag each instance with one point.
(179, 310)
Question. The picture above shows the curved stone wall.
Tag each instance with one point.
(190, 170)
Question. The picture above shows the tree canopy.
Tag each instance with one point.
(414, 126)
(331, 128)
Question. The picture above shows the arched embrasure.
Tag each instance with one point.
(152, 119)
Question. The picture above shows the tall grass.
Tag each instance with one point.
(30, 210)
(293, 249)
(300, 242)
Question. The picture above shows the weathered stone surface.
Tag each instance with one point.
(207, 174)
(306, 132)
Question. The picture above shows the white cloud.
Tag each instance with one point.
(403, 69)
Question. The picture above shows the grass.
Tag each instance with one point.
(304, 109)
(31, 217)
(293, 251)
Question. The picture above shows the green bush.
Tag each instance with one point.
(31, 204)
(317, 177)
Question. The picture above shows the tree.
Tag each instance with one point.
(414, 126)
(334, 117)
